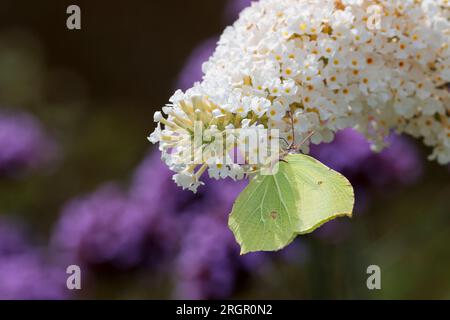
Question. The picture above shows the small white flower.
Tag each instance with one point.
(155, 136)
(260, 106)
(187, 181)
(374, 65)
(276, 111)
(218, 171)
(307, 121)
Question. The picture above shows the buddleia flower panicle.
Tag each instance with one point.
(375, 66)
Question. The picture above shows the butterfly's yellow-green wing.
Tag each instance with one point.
(324, 193)
(303, 194)
(264, 216)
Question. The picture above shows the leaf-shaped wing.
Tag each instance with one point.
(303, 194)
(324, 193)
(264, 216)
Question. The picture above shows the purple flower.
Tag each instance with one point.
(24, 145)
(208, 261)
(222, 193)
(27, 276)
(153, 188)
(209, 265)
(153, 182)
(350, 155)
(24, 273)
(398, 164)
(192, 71)
(104, 228)
(234, 7)
(126, 229)
(12, 238)
(346, 153)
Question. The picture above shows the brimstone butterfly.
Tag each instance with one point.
(273, 209)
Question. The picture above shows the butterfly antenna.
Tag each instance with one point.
(306, 139)
(292, 129)
(285, 141)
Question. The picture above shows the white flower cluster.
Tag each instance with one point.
(323, 65)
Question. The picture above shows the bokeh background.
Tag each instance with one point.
(80, 184)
